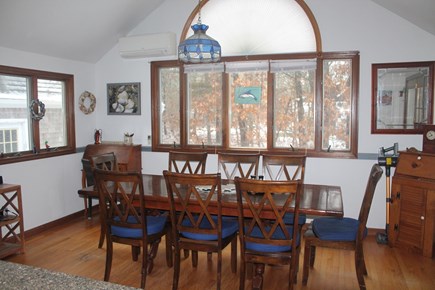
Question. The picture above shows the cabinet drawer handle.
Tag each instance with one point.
(422, 217)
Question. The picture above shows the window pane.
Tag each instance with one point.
(248, 109)
(294, 102)
(337, 100)
(169, 105)
(204, 108)
(52, 127)
(249, 27)
(14, 111)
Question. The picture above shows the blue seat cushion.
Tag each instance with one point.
(229, 227)
(336, 229)
(278, 235)
(289, 218)
(155, 224)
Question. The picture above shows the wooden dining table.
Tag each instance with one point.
(316, 199)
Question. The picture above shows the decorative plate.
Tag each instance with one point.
(87, 102)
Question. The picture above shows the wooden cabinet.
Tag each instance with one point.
(11, 220)
(129, 157)
(412, 208)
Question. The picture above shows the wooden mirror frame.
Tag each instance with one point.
(389, 94)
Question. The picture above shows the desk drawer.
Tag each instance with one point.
(420, 165)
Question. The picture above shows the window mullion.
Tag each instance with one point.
(35, 123)
(319, 106)
(225, 111)
(270, 110)
(183, 109)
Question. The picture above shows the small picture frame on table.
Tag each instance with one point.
(123, 99)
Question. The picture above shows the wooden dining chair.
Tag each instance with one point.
(342, 233)
(194, 227)
(285, 167)
(105, 161)
(126, 218)
(265, 238)
(242, 165)
(187, 162)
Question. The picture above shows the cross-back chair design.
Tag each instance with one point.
(265, 238)
(231, 165)
(195, 227)
(126, 219)
(285, 167)
(105, 161)
(342, 233)
(187, 162)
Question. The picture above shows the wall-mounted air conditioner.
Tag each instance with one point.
(148, 45)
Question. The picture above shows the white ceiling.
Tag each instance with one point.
(81, 30)
(85, 30)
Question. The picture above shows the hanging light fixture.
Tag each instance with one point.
(199, 48)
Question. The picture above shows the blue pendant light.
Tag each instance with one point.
(199, 48)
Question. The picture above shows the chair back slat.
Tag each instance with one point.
(87, 169)
(284, 167)
(187, 162)
(374, 177)
(267, 202)
(232, 165)
(106, 161)
(191, 197)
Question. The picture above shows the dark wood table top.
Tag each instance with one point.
(316, 199)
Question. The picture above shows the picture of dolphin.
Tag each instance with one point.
(247, 95)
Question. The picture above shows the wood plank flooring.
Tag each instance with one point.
(72, 248)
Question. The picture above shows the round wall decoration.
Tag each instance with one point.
(87, 102)
(40, 112)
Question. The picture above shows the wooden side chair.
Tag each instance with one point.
(265, 238)
(285, 167)
(105, 161)
(342, 233)
(194, 227)
(187, 162)
(126, 218)
(231, 165)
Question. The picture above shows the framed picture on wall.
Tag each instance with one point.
(123, 99)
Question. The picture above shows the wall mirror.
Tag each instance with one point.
(402, 97)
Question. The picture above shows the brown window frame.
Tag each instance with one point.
(316, 152)
(40, 153)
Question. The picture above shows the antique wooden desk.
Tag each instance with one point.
(317, 200)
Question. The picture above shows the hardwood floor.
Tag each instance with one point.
(72, 248)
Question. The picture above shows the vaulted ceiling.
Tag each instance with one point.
(85, 30)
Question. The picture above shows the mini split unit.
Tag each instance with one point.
(148, 45)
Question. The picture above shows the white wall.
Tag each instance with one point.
(50, 185)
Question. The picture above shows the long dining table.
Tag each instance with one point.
(316, 199)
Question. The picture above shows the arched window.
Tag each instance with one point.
(274, 89)
(251, 27)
